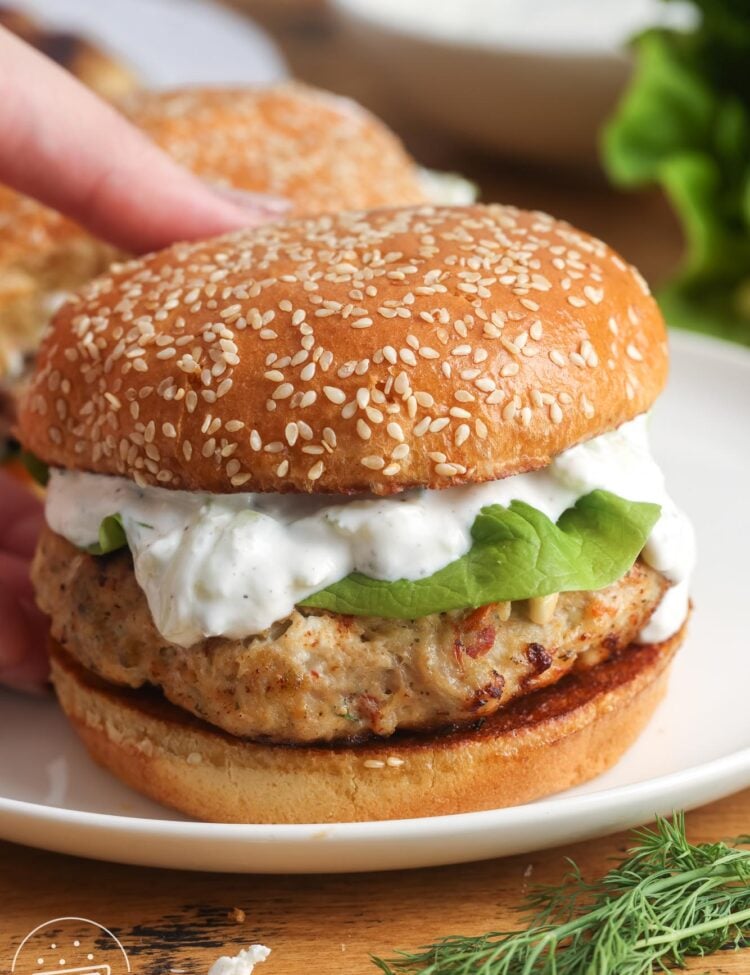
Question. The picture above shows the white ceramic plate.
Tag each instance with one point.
(696, 749)
(170, 42)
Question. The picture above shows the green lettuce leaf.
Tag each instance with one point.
(684, 124)
(111, 536)
(518, 553)
(38, 470)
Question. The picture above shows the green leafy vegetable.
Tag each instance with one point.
(111, 536)
(517, 553)
(684, 124)
(668, 900)
(38, 470)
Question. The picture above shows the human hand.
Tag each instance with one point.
(23, 628)
(65, 147)
(73, 152)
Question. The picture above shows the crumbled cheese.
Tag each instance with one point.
(242, 963)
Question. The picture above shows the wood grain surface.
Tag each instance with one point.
(178, 923)
(173, 922)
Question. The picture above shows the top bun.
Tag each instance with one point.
(369, 351)
(318, 150)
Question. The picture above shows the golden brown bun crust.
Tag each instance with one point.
(350, 352)
(41, 252)
(318, 150)
(543, 743)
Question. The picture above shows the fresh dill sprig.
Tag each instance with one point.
(667, 900)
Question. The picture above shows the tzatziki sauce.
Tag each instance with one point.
(233, 564)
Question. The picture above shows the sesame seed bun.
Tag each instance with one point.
(42, 254)
(545, 742)
(318, 150)
(354, 352)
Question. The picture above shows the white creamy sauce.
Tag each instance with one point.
(231, 565)
(448, 189)
(53, 301)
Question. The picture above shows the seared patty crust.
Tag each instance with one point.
(318, 676)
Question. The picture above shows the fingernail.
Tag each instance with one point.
(247, 200)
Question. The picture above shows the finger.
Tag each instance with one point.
(15, 581)
(121, 187)
(16, 502)
(15, 637)
(20, 538)
(31, 670)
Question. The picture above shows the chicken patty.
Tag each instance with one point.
(318, 676)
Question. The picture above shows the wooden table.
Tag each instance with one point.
(180, 922)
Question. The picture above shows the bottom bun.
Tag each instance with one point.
(542, 743)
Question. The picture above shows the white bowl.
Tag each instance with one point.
(537, 90)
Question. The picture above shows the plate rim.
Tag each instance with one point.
(656, 790)
(294, 833)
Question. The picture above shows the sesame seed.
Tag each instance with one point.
(462, 434)
(334, 394)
